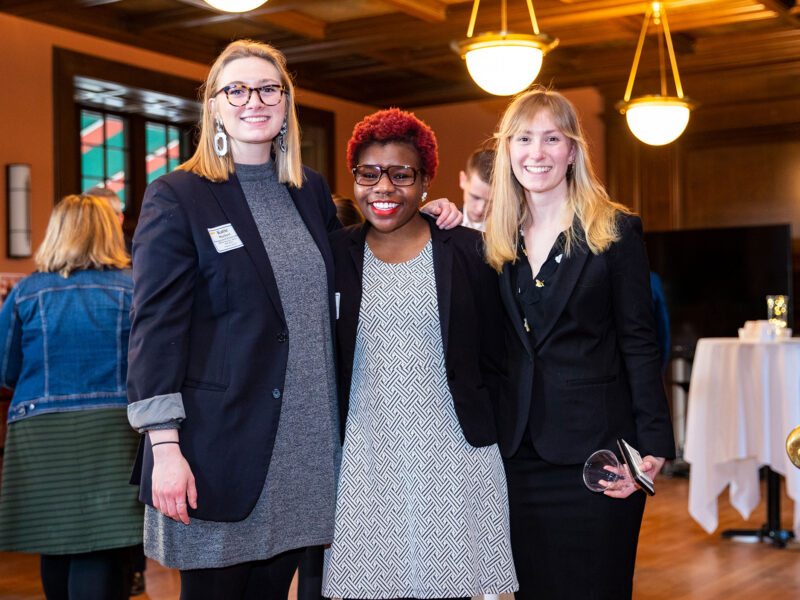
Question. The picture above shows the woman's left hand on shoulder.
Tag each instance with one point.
(651, 465)
(447, 213)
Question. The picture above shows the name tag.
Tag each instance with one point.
(225, 238)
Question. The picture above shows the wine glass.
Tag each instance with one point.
(603, 471)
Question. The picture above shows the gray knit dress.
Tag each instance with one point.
(297, 503)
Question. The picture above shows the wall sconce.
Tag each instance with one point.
(504, 63)
(656, 119)
(235, 5)
(18, 210)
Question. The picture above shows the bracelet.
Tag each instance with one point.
(167, 442)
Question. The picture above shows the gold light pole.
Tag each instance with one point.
(656, 119)
(504, 63)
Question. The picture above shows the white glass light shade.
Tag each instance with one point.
(504, 64)
(657, 120)
(504, 70)
(236, 5)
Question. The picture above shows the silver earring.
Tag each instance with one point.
(220, 140)
(282, 135)
(424, 197)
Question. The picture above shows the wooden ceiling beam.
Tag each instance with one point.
(296, 22)
(783, 8)
(574, 26)
(432, 11)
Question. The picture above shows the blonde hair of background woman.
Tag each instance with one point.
(83, 233)
(205, 161)
(586, 196)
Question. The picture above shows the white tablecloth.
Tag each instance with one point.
(744, 399)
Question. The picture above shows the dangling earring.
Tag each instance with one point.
(282, 135)
(424, 197)
(220, 140)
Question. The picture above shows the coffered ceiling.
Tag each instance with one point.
(383, 52)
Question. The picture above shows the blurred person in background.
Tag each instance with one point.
(475, 182)
(347, 210)
(65, 491)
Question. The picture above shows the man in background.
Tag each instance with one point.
(116, 205)
(476, 184)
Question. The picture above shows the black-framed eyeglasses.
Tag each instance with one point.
(239, 94)
(399, 175)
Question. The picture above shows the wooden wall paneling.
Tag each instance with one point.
(743, 176)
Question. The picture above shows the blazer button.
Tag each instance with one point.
(276, 393)
(282, 337)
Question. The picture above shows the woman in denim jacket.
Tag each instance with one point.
(64, 339)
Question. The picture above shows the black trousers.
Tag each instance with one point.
(256, 580)
(569, 543)
(309, 574)
(102, 575)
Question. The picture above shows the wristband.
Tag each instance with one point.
(167, 442)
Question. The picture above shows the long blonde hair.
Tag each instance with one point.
(205, 161)
(83, 233)
(586, 196)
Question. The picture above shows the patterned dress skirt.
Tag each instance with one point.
(420, 513)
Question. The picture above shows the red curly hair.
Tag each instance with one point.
(395, 125)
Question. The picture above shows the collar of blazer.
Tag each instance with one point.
(442, 267)
(569, 272)
(230, 197)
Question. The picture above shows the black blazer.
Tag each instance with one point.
(210, 326)
(594, 374)
(469, 315)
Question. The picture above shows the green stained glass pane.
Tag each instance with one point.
(116, 132)
(173, 133)
(156, 173)
(115, 163)
(92, 161)
(155, 134)
(90, 119)
(89, 182)
(173, 162)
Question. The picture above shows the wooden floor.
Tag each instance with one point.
(677, 560)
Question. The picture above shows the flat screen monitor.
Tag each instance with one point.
(716, 279)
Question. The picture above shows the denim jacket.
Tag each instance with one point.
(65, 342)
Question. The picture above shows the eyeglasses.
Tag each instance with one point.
(239, 95)
(399, 175)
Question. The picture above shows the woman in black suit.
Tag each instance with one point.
(583, 359)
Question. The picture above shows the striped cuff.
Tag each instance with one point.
(156, 411)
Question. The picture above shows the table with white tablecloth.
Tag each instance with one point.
(744, 399)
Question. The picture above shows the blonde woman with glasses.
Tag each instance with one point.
(231, 362)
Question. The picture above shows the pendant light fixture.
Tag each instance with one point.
(656, 119)
(504, 63)
(235, 5)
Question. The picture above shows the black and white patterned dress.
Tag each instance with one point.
(420, 512)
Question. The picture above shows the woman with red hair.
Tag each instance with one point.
(421, 509)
